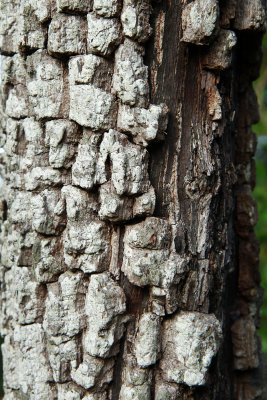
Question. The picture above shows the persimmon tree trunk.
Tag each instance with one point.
(129, 265)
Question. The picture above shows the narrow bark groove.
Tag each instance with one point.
(129, 264)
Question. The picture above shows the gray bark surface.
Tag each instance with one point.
(129, 264)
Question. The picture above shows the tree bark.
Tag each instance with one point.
(129, 264)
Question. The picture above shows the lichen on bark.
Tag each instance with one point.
(128, 256)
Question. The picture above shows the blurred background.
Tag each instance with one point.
(260, 192)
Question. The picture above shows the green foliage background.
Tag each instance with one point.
(260, 192)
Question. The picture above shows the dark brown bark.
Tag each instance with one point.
(230, 286)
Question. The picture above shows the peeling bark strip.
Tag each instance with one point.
(129, 266)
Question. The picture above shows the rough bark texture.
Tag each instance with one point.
(129, 265)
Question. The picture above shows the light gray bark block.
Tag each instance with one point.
(67, 35)
(61, 136)
(87, 246)
(74, 6)
(105, 308)
(107, 8)
(135, 19)
(190, 341)
(104, 35)
(199, 21)
(130, 81)
(45, 85)
(145, 125)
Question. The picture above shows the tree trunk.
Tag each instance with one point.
(129, 262)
